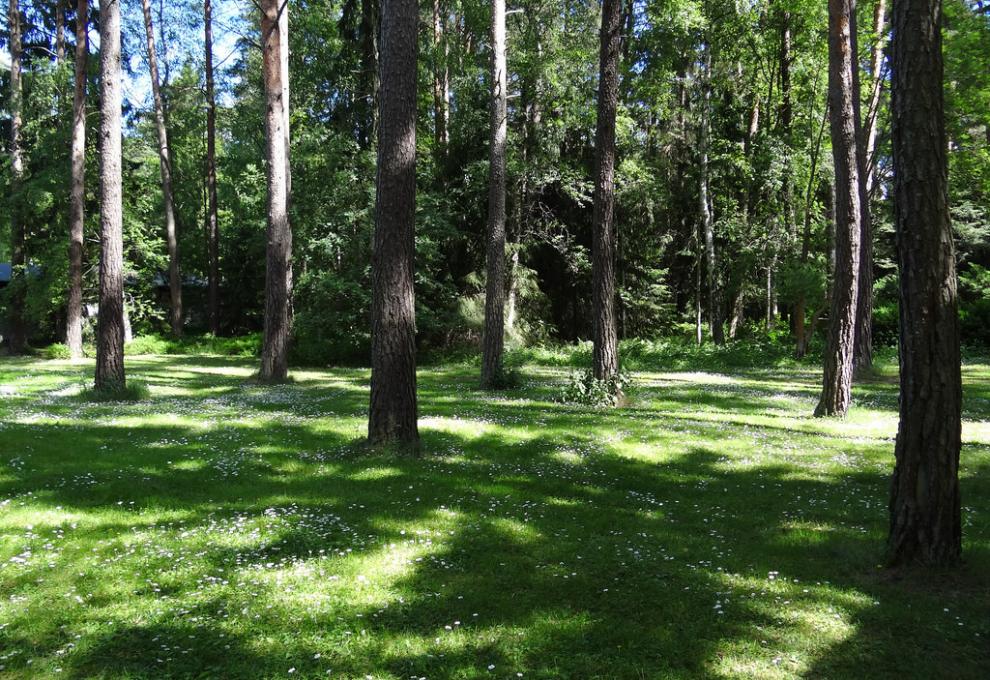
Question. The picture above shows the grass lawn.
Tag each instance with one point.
(711, 529)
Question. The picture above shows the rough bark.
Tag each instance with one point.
(606, 350)
(165, 163)
(925, 521)
(77, 191)
(393, 411)
(110, 323)
(838, 364)
(278, 252)
(716, 322)
(494, 333)
(863, 354)
(16, 290)
(283, 64)
(212, 224)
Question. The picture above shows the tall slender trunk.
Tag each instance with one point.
(164, 155)
(77, 192)
(440, 77)
(838, 366)
(18, 260)
(606, 349)
(110, 323)
(491, 361)
(800, 326)
(699, 327)
(283, 64)
(278, 258)
(393, 411)
(863, 354)
(925, 517)
(212, 223)
(59, 32)
(711, 261)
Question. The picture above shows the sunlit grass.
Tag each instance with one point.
(219, 528)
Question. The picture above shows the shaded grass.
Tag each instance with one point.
(711, 529)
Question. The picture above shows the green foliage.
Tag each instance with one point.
(57, 351)
(583, 387)
(241, 346)
(134, 390)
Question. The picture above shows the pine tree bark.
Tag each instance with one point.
(77, 191)
(165, 163)
(110, 323)
(838, 369)
(925, 518)
(17, 341)
(863, 354)
(494, 333)
(393, 410)
(606, 349)
(715, 319)
(212, 223)
(278, 258)
(283, 56)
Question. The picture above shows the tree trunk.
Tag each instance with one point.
(863, 355)
(491, 362)
(212, 224)
(110, 323)
(278, 259)
(738, 311)
(925, 522)
(77, 192)
(800, 326)
(283, 61)
(838, 368)
(711, 262)
(440, 77)
(165, 163)
(59, 32)
(18, 279)
(606, 351)
(392, 417)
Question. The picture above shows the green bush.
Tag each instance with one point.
(584, 388)
(57, 351)
(134, 390)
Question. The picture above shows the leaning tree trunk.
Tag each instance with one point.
(925, 522)
(18, 278)
(110, 323)
(838, 368)
(863, 354)
(370, 23)
(212, 224)
(606, 349)
(165, 163)
(491, 358)
(77, 192)
(278, 260)
(711, 262)
(392, 417)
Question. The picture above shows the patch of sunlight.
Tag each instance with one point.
(460, 426)
(375, 473)
(698, 377)
(976, 432)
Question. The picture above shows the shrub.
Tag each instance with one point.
(57, 351)
(134, 390)
(585, 388)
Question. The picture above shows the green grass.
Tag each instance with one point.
(218, 528)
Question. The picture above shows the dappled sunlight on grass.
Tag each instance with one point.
(711, 529)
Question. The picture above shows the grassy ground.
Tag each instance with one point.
(711, 529)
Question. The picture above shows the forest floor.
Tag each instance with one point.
(217, 528)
